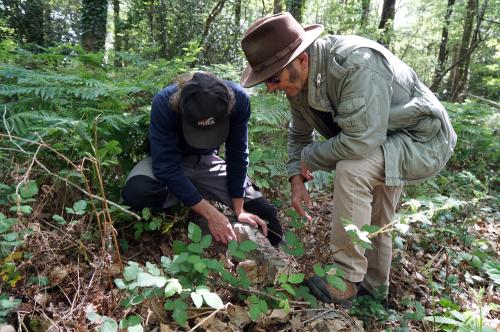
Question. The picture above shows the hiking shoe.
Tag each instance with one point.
(325, 292)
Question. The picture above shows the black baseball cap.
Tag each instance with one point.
(205, 111)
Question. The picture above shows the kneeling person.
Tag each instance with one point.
(189, 122)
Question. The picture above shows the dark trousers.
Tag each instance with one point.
(143, 190)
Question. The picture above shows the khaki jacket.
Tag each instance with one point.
(377, 101)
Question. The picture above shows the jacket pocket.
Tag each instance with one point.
(353, 115)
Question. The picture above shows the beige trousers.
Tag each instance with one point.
(361, 196)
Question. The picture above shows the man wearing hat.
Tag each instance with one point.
(382, 127)
(189, 122)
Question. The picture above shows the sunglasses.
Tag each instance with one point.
(275, 79)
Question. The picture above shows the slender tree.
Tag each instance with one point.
(237, 13)
(365, 11)
(117, 31)
(386, 22)
(277, 6)
(443, 48)
(471, 38)
(296, 8)
(93, 22)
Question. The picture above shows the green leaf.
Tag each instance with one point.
(442, 320)
(120, 283)
(180, 316)
(263, 306)
(248, 245)
(282, 278)
(194, 232)
(173, 287)
(200, 267)
(288, 288)
(336, 282)
(196, 248)
(370, 228)
(493, 271)
(179, 247)
(146, 213)
(255, 312)
(319, 270)
(28, 189)
(213, 300)
(58, 219)
(93, 316)
(256, 155)
(206, 241)
(134, 320)
(79, 207)
(39, 281)
(153, 269)
(296, 278)
(232, 245)
(6, 224)
(135, 328)
(24, 209)
(109, 325)
(147, 280)
(130, 272)
(197, 299)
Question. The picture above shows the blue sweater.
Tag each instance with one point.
(168, 146)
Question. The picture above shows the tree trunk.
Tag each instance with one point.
(161, 26)
(237, 13)
(443, 51)
(278, 6)
(460, 79)
(211, 17)
(296, 8)
(386, 22)
(117, 34)
(365, 12)
(93, 21)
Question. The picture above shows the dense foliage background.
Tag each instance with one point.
(76, 82)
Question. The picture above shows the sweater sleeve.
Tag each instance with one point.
(165, 152)
(237, 143)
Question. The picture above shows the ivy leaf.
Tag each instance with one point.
(6, 223)
(248, 245)
(195, 247)
(197, 299)
(134, 320)
(200, 267)
(146, 213)
(194, 232)
(232, 245)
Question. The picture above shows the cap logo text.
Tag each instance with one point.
(207, 122)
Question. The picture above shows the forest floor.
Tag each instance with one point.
(439, 269)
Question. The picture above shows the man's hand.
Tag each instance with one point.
(253, 220)
(218, 224)
(300, 196)
(306, 172)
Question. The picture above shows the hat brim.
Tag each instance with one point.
(251, 78)
(206, 138)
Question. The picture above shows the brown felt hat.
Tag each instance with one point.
(271, 43)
